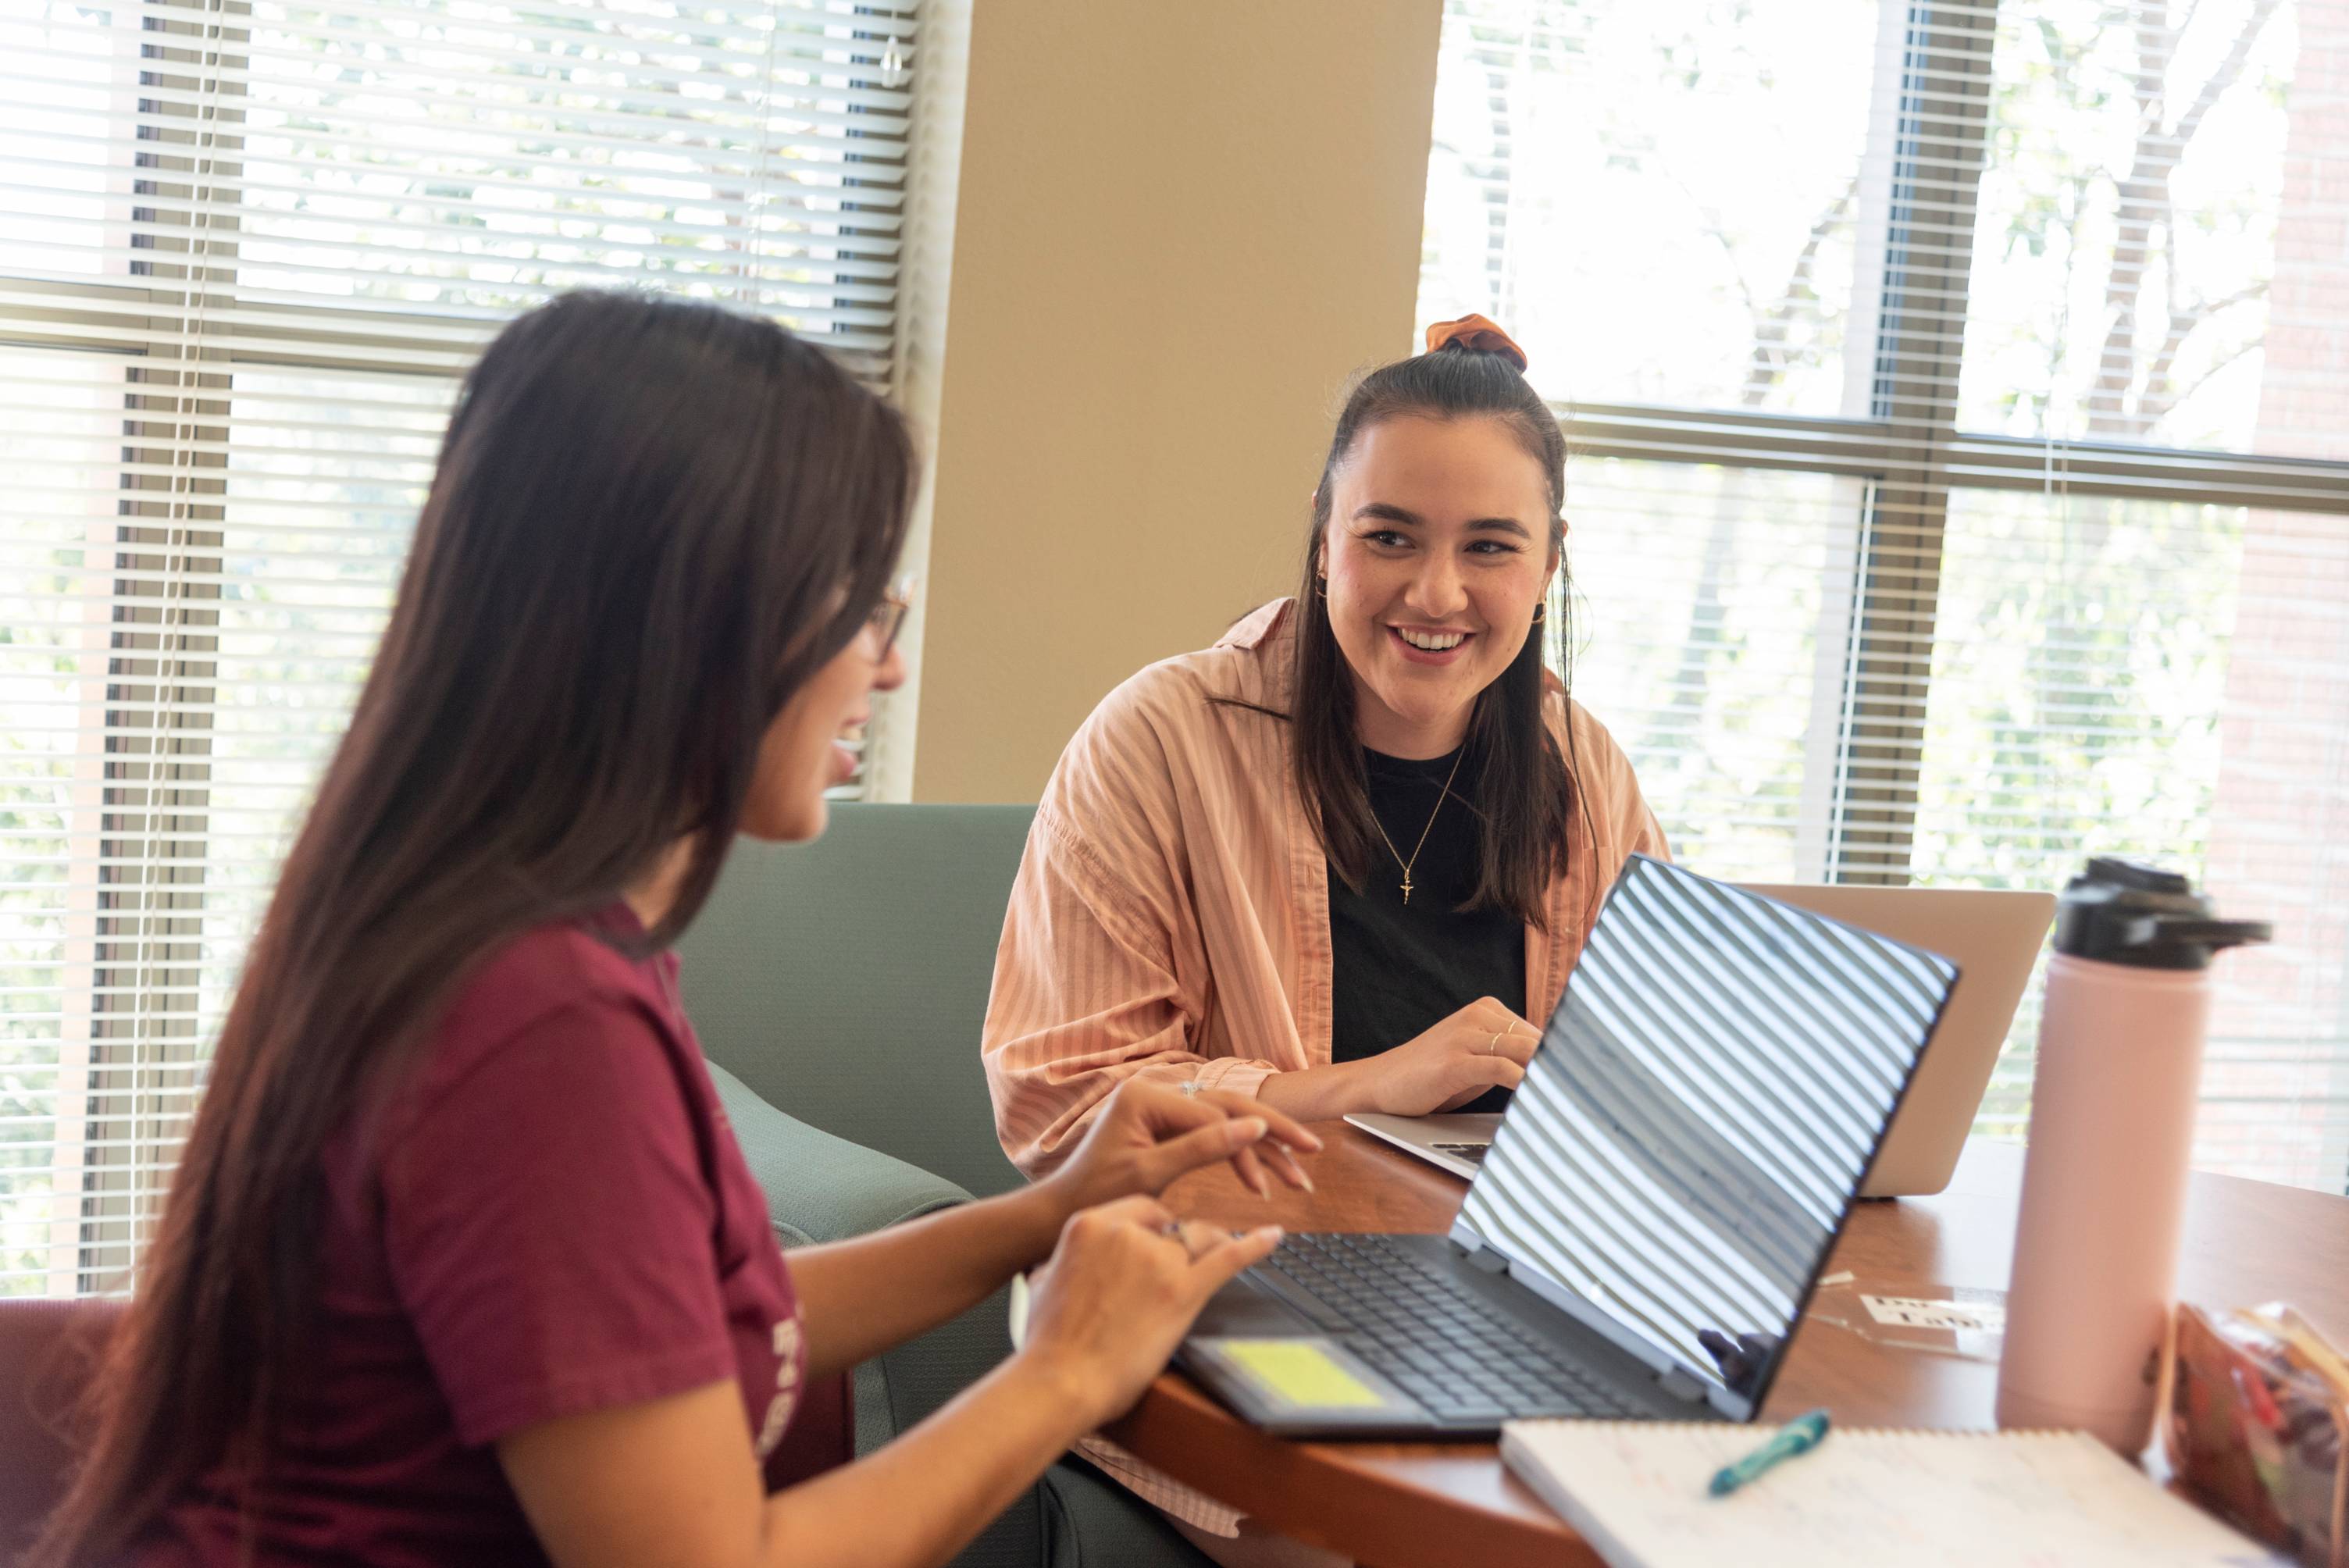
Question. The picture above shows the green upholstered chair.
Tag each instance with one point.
(845, 981)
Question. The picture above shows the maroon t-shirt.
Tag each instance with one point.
(552, 1217)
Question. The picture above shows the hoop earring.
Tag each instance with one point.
(1322, 592)
(1541, 612)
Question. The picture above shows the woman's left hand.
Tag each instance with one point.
(1147, 1134)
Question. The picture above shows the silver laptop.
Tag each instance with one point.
(1653, 1217)
(1994, 936)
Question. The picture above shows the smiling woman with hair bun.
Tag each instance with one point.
(1338, 860)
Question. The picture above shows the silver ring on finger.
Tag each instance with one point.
(1197, 1240)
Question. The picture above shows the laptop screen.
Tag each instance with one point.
(1702, 1112)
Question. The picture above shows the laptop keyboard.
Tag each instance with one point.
(1431, 1337)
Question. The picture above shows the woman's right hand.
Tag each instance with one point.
(1483, 1046)
(1119, 1292)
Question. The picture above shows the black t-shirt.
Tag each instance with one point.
(1398, 968)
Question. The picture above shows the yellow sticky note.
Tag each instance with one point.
(1300, 1372)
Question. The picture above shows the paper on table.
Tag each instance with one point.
(1016, 1310)
(1637, 1492)
(1940, 1319)
(1957, 1316)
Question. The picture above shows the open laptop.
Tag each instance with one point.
(1655, 1210)
(1994, 936)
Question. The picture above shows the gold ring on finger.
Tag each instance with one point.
(1493, 1045)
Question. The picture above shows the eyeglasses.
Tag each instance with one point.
(888, 618)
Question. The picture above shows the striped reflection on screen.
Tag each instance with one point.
(1702, 1112)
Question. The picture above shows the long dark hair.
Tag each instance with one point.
(652, 521)
(1519, 786)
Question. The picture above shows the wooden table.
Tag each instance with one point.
(1393, 1505)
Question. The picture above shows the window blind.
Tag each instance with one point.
(246, 249)
(1960, 475)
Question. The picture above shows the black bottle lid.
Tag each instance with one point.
(2125, 911)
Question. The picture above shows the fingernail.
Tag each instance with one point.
(1249, 1128)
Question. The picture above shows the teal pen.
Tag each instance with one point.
(1799, 1436)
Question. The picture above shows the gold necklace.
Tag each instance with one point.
(1444, 795)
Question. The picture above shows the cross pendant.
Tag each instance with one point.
(1406, 887)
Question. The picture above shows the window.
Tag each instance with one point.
(1960, 434)
(246, 248)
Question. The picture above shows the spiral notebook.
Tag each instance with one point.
(1636, 1491)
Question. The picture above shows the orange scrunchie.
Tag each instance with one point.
(1475, 331)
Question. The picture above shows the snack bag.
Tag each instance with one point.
(2258, 1427)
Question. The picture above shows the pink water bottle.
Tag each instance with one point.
(2112, 1124)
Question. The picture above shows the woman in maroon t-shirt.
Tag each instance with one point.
(462, 1262)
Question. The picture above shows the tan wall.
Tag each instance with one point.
(1179, 227)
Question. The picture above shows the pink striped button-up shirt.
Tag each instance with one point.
(1172, 914)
